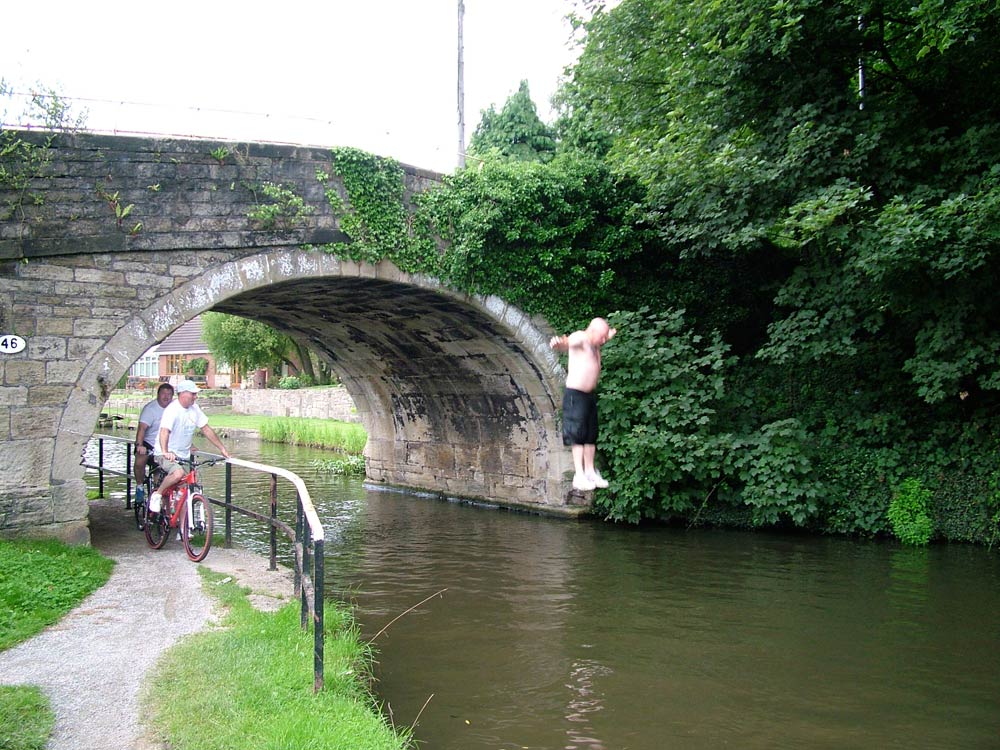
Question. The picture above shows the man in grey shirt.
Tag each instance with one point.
(147, 432)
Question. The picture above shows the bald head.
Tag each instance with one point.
(599, 331)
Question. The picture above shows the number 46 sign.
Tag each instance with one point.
(10, 344)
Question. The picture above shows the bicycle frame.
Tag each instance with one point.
(180, 491)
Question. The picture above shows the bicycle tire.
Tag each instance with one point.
(157, 530)
(197, 539)
(140, 508)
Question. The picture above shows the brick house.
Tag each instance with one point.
(170, 361)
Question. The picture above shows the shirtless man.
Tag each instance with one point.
(580, 402)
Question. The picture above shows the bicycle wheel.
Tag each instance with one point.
(197, 535)
(140, 507)
(157, 529)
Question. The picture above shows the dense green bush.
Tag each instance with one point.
(290, 382)
(836, 264)
(909, 513)
(667, 442)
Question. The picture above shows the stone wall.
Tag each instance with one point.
(317, 403)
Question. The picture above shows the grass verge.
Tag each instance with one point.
(346, 437)
(26, 719)
(40, 581)
(249, 683)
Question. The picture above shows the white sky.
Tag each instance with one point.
(380, 75)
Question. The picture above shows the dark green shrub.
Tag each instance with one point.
(657, 400)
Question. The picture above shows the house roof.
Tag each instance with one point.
(185, 340)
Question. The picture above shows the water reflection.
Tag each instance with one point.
(581, 635)
(585, 699)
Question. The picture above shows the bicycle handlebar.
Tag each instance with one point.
(207, 462)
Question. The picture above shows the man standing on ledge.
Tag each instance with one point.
(580, 401)
(177, 426)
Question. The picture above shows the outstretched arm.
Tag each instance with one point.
(214, 439)
(559, 343)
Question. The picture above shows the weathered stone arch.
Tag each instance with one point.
(459, 393)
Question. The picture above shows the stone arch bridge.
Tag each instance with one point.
(459, 394)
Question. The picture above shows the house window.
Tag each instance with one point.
(146, 366)
(176, 364)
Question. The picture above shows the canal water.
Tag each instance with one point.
(551, 634)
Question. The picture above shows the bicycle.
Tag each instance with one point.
(183, 506)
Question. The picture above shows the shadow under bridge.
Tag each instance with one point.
(459, 394)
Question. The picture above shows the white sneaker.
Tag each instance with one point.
(598, 480)
(582, 483)
(154, 502)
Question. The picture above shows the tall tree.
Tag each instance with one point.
(515, 131)
(879, 207)
(248, 344)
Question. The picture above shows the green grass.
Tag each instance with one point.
(26, 719)
(341, 466)
(249, 684)
(348, 437)
(40, 581)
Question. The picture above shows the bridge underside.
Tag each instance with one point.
(451, 401)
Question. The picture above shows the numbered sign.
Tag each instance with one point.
(10, 344)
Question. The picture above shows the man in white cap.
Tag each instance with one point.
(177, 427)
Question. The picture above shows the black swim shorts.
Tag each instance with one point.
(579, 418)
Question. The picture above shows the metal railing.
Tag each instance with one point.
(306, 537)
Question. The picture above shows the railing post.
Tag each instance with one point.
(318, 623)
(229, 505)
(307, 546)
(100, 463)
(128, 477)
(299, 541)
(274, 516)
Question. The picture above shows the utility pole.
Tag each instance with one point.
(461, 87)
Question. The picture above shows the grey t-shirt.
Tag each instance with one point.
(151, 415)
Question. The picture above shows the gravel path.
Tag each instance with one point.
(93, 662)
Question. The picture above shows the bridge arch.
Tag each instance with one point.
(459, 393)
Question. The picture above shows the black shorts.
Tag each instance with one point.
(579, 418)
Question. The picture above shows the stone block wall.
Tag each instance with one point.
(316, 403)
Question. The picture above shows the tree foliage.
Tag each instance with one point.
(832, 248)
(515, 132)
(544, 236)
(746, 122)
(248, 344)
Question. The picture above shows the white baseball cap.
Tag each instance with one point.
(187, 386)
